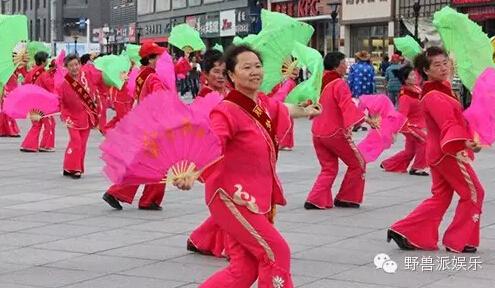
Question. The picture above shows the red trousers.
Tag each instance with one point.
(420, 227)
(31, 142)
(8, 126)
(103, 115)
(121, 109)
(152, 193)
(256, 249)
(329, 150)
(415, 149)
(209, 238)
(287, 141)
(76, 150)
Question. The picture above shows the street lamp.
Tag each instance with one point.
(416, 8)
(334, 15)
(106, 33)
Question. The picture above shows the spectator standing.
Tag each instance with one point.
(392, 82)
(362, 75)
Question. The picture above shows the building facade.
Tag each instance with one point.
(218, 21)
(122, 26)
(59, 20)
(481, 11)
(316, 13)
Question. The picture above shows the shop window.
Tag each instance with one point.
(162, 5)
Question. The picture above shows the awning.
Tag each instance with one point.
(153, 39)
(462, 2)
(426, 30)
(314, 18)
(480, 13)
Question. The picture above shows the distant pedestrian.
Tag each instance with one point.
(362, 75)
(392, 82)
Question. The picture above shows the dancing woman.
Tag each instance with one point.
(449, 147)
(242, 188)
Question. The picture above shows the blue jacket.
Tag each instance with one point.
(361, 78)
(393, 83)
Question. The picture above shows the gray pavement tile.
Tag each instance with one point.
(107, 221)
(123, 281)
(20, 239)
(12, 225)
(64, 230)
(332, 283)
(6, 268)
(47, 277)
(174, 271)
(124, 236)
(100, 263)
(80, 245)
(150, 252)
(455, 281)
(31, 256)
(48, 217)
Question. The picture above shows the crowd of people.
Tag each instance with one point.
(242, 187)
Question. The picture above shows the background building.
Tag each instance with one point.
(58, 21)
(481, 11)
(218, 21)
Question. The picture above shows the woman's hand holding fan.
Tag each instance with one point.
(161, 140)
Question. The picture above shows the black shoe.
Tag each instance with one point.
(153, 206)
(192, 248)
(364, 128)
(467, 249)
(344, 204)
(381, 166)
(73, 175)
(355, 129)
(311, 206)
(27, 150)
(112, 201)
(400, 240)
(15, 136)
(418, 173)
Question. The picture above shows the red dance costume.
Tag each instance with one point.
(122, 103)
(447, 135)
(147, 82)
(79, 108)
(103, 95)
(413, 130)
(241, 190)
(44, 79)
(8, 126)
(332, 141)
(208, 238)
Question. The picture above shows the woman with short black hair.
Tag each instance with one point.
(449, 151)
(242, 187)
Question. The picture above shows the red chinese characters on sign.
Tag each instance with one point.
(307, 8)
(288, 8)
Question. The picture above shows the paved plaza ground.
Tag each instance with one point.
(57, 232)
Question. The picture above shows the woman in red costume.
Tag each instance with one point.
(413, 129)
(449, 149)
(44, 79)
(8, 125)
(242, 187)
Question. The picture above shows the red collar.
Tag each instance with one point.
(329, 76)
(411, 91)
(148, 69)
(443, 87)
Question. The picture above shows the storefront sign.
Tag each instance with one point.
(227, 23)
(242, 21)
(155, 28)
(359, 10)
(209, 26)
